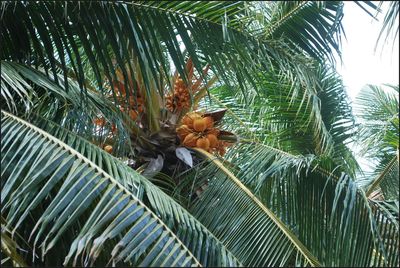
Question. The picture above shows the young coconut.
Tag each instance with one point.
(203, 143)
(108, 149)
(190, 140)
(200, 124)
(213, 140)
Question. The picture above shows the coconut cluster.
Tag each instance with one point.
(199, 131)
(180, 99)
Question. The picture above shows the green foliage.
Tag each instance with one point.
(281, 196)
(389, 23)
(378, 110)
(96, 198)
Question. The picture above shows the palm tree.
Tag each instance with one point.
(178, 134)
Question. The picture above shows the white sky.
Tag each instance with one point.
(361, 65)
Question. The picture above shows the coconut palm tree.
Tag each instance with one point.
(180, 133)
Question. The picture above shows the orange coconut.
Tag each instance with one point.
(190, 140)
(213, 140)
(209, 121)
(99, 121)
(108, 148)
(203, 143)
(199, 124)
(189, 118)
(133, 114)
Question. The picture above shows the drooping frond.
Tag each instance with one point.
(254, 223)
(321, 211)
(87, 190)
(387, 180)
(377, 109)
(30, 89)
(9, 248)
(60, 36)
(389, 23)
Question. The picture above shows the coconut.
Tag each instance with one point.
(190, 140)
(213, 140)
(203, 143)
(108, 148)
(200, 124)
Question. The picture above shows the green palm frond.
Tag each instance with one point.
(321, 211)
(390, 208)
(387, 180)
(62, 37)
(9, 248)
(389, 23)
(369, 7)
(377, 109)
(315, 27)
(51, 167)
(70, 108)
(252, 221)
(295, 119)
(303, 195)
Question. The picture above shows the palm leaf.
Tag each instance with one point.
(262, 220)
(315, 27)
(320, 209)
(61, 35)
(40, 95)
(377, 110)
(86, 182)
(389, 23)
(295, 119)
(387, 180)
(9, 248)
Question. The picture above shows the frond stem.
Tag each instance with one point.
(381, 176)
(101, 171)
(296, 242)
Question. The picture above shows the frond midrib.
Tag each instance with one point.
(285, 18)
(102, 172)
(381, 176)
(146, 182)
(296, 242)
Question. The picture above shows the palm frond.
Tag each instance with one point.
(369, 7)
(321, 211)
(176, 217)
(36, 93)
(295, 119)
(259, 221)
(389, 23)
(314, 27)
(9, 248)
(377, 109)
(52, 167)
(388, 180)
(61, 37)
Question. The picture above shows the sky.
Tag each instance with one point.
(361, 65)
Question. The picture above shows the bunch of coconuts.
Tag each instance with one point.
(197, 130)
